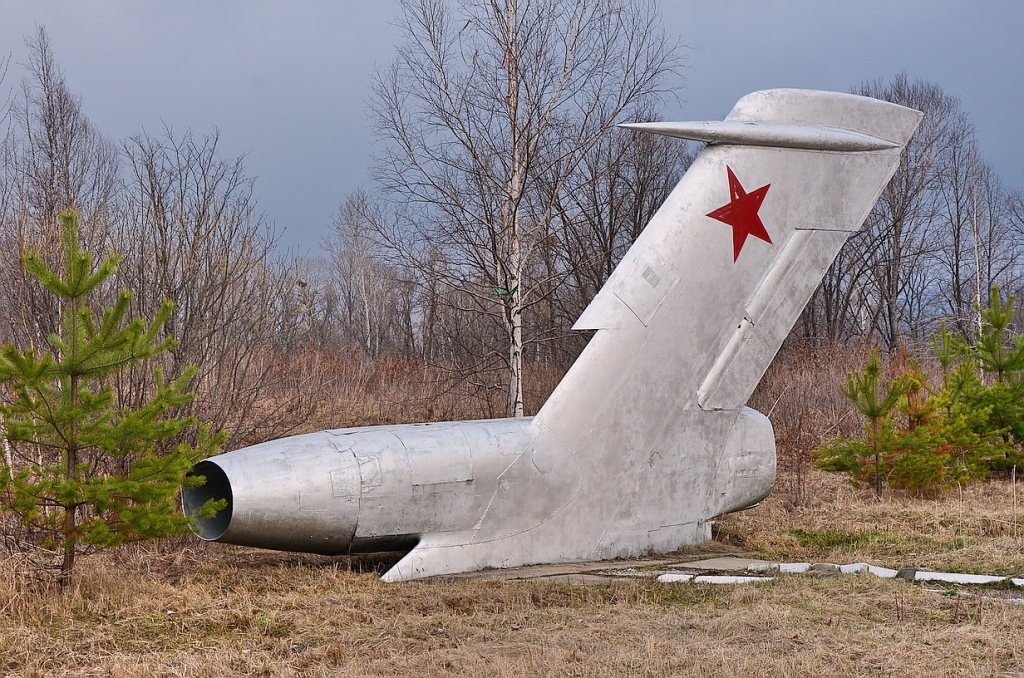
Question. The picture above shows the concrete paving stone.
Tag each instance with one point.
(724, 564)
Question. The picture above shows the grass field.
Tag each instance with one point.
(191, 609)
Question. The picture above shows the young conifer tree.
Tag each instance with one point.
(84, 472)
(868, 459)
(999, 355)
(926, 440)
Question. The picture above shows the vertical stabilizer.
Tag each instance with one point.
(720, 275)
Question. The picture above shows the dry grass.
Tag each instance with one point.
(973, 530)
(352, 390)
(210, 610)
(230, 612)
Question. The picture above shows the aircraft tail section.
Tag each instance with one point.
(647, 437)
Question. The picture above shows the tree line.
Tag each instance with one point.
(495, 216)
(502, 197)
(183, 219)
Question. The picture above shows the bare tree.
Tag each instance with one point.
(623, 180)
(53, 159)
(190, 232)
(8, 452)
(941, 234)
(902, 227)
(979, 248)
(912, 263)
(999, 244)
(374, 306)
(484, 115)
(958, 259)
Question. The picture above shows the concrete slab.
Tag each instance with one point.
(579, 579)
(674, 577)
(957, 578)
(728, 579)
(729, 568)
(603, 571)
(724, 564)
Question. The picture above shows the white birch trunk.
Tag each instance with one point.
(515, 360)
(514, 274)
(6, 444)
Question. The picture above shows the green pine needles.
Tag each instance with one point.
(924, 439)
(868, 457)
(80, 471)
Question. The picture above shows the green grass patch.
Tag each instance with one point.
(833, 539)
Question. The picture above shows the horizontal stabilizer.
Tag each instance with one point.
(773, 134)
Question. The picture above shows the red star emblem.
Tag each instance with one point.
(741, 214)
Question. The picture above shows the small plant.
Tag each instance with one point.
(915, 438)
(868, 459)
(84, 472)
(996, 396)
(920, 439)
(828, 540)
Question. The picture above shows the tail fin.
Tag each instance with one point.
(704, 298)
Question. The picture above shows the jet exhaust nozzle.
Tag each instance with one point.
(289, 495)
(217, 487)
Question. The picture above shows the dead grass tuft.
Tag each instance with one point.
(973, 529)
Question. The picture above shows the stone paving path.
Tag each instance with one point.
(709, 568)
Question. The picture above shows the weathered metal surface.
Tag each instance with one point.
(647, 438)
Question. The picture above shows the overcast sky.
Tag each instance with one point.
(287, 82)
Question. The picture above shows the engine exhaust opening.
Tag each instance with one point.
(217, 487)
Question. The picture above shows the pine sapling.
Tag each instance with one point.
(84, 471)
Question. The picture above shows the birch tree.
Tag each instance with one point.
(902, 229)
(487, 110)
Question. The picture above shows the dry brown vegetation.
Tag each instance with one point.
(354, 391)
(192, 609)
(209, 610)
(974, 530)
